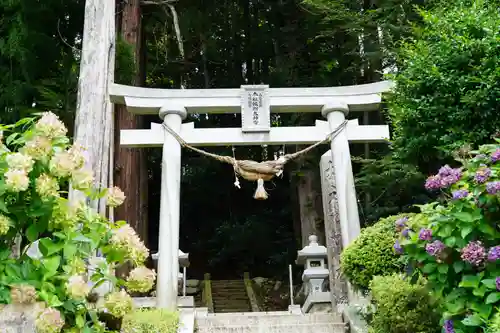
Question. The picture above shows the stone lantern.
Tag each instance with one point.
(183, 263)
(313, 258)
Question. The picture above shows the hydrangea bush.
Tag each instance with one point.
(455, 243)
(58, 238)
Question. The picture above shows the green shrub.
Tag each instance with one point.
(447, 90)
(150, 321)
(402, 307)
(372, 253)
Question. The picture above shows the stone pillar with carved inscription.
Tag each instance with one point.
(333, 231)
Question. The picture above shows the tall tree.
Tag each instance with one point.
(94, 112)
(130, 171)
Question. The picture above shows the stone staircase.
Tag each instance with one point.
(269, 322)
(230, 296)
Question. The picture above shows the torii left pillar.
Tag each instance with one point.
(168, 239)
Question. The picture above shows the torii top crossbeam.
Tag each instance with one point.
(364, 97)
(255, 103)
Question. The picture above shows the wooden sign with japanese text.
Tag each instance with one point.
(255, 109)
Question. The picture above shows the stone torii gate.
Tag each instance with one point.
(255, 103)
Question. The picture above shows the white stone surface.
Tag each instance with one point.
(186, 321)
(316, 300)
(335, 112)
(150, 302)
(168, 244)
(234, 136)
(19, 318)
(270, 322)
(365, 97)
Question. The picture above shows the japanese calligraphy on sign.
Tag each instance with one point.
(255, 109)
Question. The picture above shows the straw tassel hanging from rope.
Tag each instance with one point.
(256, 171)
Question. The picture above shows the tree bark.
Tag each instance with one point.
(310, 218)
(94, 112)
(130, 173)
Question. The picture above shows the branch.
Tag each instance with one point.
(158, 2)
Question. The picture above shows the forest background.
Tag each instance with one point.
(283, 43)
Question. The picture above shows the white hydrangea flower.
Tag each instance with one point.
(47, 187)
(115, 197)
(50, 320)
(61, 165)
(118, 304)
(16, 180)
(50, 126)
(5, 224)
(78, 155)
(77, 288)
(126, 241)
(82, 179)
(141, 279)
(64, 215)
(39, 148)
(19, 161)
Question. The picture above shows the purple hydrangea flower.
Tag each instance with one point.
(445, 171)
(425, 234)
(446, 176)
(494, 253)
(398, 248)
(497, 282)
(405, 232)
(495, 156)
(493, 187)
(449, 176)
(460, 194)
(448, 326)
(435, 248)
(401, 223)
(433, 183)
(482, 175)
(474, 253)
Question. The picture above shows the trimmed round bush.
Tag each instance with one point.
(402, 307)
(372, 253)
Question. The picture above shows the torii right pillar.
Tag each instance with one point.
(336, 113)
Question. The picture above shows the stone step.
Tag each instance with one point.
(229, 295)
(268, 318)
(235, 288)
(297, 328)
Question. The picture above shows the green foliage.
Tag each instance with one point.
(125, 64)
(494, 325)
(455, 244)
(371, 254)
(403, 307)
(447, 88)
(58, 237)
(150, 321)
(394, 187)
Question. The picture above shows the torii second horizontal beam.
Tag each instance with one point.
(154, 137)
